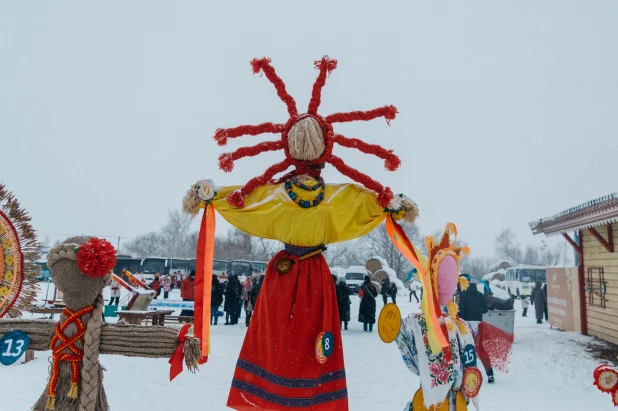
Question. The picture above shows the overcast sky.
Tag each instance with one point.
(507, 109)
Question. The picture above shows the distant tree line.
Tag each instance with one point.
(175, 239)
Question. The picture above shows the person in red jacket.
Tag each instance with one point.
(155, 286)
(187, 292)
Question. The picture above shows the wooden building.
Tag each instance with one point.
(595, 226)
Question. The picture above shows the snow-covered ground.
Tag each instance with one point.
(549, 371)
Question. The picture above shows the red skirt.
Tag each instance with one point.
(278, 368)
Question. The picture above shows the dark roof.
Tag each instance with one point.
(594, 213)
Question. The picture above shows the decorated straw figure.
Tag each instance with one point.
(18, 252)
(81, 268)
(436, 344)
(292, 355)
(606, 380)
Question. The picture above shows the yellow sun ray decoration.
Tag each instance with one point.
(18, 252)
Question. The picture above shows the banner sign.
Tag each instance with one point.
(559, 299)
(180, 305)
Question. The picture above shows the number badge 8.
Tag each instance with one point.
(12, 346)
(327, 344)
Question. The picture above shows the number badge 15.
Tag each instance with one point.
(12, 346)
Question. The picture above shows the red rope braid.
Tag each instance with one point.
(388, 112)
(223, 134)
(67, 344)
(226, 160)
(326, 66)
(237, 197)
(391, 161)
(385, 195)
(263, 65)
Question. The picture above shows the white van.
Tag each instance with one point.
(354, 277)
(520, 281)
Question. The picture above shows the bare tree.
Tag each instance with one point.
(378, 243)
(263, 249)
(531, 256)
(233, 245)
(175, 233)
(146, 245)
(344, 254)
(507, 247)
(475, 266)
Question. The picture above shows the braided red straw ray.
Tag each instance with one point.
(325, 66)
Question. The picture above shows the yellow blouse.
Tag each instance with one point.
(348, 211)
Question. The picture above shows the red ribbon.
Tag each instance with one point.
(179, 355)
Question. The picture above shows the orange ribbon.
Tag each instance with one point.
(203, 280)
(431, 308)
(179, 355)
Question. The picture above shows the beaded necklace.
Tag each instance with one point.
(298, 200)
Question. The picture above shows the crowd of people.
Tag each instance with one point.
(235, 296)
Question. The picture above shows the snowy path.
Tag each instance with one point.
(549, 371)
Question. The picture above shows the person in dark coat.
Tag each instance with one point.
(367, 310)
(232, 295)
(393, 292)
(472, 304)
(255, 291)
(386, 286)
(539, 300)
(343, 303)
(545, 291)
(216, 299)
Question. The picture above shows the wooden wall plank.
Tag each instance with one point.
(604, 334)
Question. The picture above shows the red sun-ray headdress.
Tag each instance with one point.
(312, 166)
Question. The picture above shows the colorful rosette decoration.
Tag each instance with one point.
(96, 257)
(606, 380)
(18, 252)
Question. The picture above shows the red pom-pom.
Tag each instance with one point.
(221, 136)
(226, 163)
(392, 163)
(236, 199)
(258, 64)
(96, 258)
(327, 63)
(385, 197)
(390, 113)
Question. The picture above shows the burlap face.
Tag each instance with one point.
(79, 291)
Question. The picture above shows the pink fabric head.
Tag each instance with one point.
(447, 279)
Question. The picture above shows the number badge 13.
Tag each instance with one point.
(12, 346)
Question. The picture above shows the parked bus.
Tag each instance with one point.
(247, 268)
(151, 266)
(178, 264)
(127, 262)
(219, 267)
(520, 281)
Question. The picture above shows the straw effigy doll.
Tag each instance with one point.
(436, 344)
(81, 269)
(292, 355)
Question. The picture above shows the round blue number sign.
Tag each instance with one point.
(468, 356)
(327, 344)
(12, 346)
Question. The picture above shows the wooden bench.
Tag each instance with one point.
(137, 317)
(179, 319)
